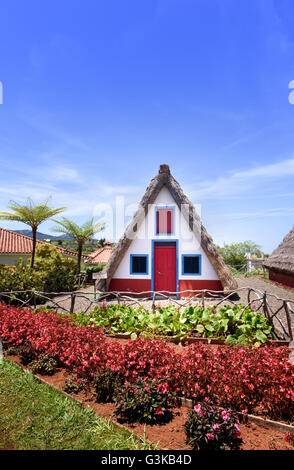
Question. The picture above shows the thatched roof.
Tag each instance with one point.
(282, 258)
(165, 178)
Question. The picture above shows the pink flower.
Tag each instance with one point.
(210, 436)
(215, 426)
(224, 415)
(198, 409)
(159, 411)
(237, 427)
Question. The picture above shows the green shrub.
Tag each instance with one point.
(106, 383)
(19, 278)
(75, 385)
(52, 272)
(27, 354)
(145, 401)
(93, 269)
(210, 428)
(44, 365)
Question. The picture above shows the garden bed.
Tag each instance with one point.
(251, 380)
(170, 436)
(227, 324)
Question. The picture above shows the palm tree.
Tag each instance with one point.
(81, 234)
(32, 215)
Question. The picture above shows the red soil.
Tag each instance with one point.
(171, 436)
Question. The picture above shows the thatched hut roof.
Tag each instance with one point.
(282, 258)
(165, 178)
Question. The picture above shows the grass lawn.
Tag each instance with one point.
(35, 416)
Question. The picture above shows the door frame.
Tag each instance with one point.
(163, 240)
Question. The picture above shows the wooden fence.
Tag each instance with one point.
(279, 312)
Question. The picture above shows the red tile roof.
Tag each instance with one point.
(12, 242)
(100, 256)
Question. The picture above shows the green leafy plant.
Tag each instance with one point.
(44, 365)
(75, 384)
(106, 383)
(146, 401)
(27, 354)
(235, 324)
(210, 428)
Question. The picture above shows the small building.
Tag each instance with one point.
(280, 263)
(165, 248)
(15, 246)
(100, 256)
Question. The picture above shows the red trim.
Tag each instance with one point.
(144, 285)
(281, 278)
(130, 285)
(198, 284)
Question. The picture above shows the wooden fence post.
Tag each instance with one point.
(203, 299)
(95, 290)
(153, 301)
(265, 309)
(288, 319)
(249, 294)
(72, 303)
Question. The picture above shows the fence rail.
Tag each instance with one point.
(278, 311)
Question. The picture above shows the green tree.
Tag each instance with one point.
(234, 254)
(32, 215)
(81, 234)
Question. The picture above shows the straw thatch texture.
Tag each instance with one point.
(282, 258)
(164, 178)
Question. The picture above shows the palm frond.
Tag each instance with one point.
(29, 213)
(81, 233)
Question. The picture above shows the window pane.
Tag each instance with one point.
(191, 264)
(139, 264)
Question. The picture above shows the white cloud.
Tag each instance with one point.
(277, 212)
(64, 173)
(242, 180)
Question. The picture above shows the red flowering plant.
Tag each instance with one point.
(212, 428)
(254, 380)
(75, 384)
(289, 437)
(146, 401)
(244, 379)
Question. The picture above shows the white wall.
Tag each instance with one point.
(142, 244)
(13, 259)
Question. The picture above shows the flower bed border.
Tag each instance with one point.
(191, 340)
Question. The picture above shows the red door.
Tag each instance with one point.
(165, 267)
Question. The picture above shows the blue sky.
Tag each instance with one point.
(96, 94)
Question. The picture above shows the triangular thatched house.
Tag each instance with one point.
(281, 262)
(165, 248)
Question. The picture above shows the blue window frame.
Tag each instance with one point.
(191, 265)
(139, 264)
